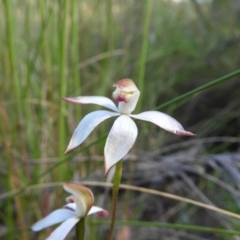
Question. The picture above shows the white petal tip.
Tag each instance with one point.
(34, 229)
(106, 171)
(72, 99)
(67, 151)
(66, 99)
(70, 149)
(109, 168)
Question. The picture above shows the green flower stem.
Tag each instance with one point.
(116, 183)
(80, 229)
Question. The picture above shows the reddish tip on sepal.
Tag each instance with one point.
(184, 133)
(103, 214)
(66, 99)
(106, 171)
(67, 151)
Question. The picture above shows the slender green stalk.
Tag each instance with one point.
(80, 229)
(143, 56)
(17, 115)
(109, 46)
(115, 189)
(43, 37)
(63, 83)
(14, 232)
(10, 163)
(75, 51)
(11, 52)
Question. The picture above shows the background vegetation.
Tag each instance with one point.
(51, 49)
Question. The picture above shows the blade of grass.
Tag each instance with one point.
(18, 113)
(75, 51)
(9, 216)
(31, 62)
(143, 56)
(64, 6)
(109, 47)
(169, 225)
(13, 232)
(9, 7)
(200, 89)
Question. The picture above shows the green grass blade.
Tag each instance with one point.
(143, 56)
(171, 226)
(64, 6)
(200, 89)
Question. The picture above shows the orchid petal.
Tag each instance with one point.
(62, 231)
(55, 217)
(86, 126)
(99, 100)
(164, 121)
(100, 211)
(120, 140)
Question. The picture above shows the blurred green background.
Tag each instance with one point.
(53, 49)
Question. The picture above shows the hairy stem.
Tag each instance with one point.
(116, 183)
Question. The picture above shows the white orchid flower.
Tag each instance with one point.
(124, 131)
(79, 205)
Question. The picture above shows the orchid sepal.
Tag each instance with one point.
(163, 121)
(62, 231)
(86, 126)
(55, 217)
(99, 100)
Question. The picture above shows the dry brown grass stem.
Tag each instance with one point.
(132, 188)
